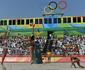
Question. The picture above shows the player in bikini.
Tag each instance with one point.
(31, 49)
(5, 51)
(76, 60)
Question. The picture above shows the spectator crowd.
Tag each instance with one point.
(19, 45)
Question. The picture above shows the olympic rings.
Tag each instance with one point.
(50, 7)
(62, 3)
(57, 5)
(53, 6)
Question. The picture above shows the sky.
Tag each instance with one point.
(34, 8)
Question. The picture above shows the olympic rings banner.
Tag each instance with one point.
(53, 6)
(61, 5)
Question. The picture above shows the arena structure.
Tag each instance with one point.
(53, 22)
(44, 24)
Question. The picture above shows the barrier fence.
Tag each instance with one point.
(27, 59)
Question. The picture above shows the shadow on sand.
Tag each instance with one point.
(3, 67)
